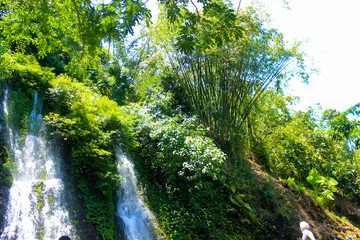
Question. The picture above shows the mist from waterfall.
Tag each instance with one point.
(36, 208)
(136, 217)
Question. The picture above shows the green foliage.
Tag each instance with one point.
(91, 124)
(224, 82)
(38, 188)
(303, 150)
(3, 64)
(219, 64)
(185, 175)
(186, 149)
(20, 106)
(40, 203)
(141, 68)
(120, 18)
(68, 25)
(69, 36)
(121, 87)
(324, 187)
(292, 142)
(6, 169)
(23, 71)
(247, 214)
(25, 76)
(99, 209)
(292, 183)
(183, 147)
(215, 26)
(343, 128)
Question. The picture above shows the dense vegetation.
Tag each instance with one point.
(195, 99)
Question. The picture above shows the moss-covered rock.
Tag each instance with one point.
(5, 173)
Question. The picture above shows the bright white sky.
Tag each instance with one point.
(331, 34)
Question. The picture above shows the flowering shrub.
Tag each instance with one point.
(183, 148)
(187, 149)
(182, 168)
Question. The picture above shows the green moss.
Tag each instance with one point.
(38, 188)
(39, 205)
(40, 232)
(43, 175)
(19, 106)
(50, 200)
(25, 77)
(6, 168)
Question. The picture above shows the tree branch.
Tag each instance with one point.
(197, 11)
(80, 27)
(238, 8)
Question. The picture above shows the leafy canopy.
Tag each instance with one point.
(67, 25)
(222, 82)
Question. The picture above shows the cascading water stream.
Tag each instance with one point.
(6, 113)
(36, 208)
(136, 217)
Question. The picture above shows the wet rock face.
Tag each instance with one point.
(4, 190)
(4, 196)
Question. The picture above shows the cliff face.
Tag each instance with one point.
(82, 227)
(4, 194)
(4, 188)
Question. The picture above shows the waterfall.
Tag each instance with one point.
(6, 114)
(36, 208)
(136, 217)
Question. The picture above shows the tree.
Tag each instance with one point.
(343, 128)
(290, 143)
(224, 81)
(68, 25)
(215, 25)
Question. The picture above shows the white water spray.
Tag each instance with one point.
(36, 208)
(134, 214)
(6, 114)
